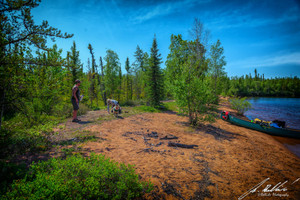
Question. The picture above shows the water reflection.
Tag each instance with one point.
(284, 109)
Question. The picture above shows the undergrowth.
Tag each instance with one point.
(78, 177)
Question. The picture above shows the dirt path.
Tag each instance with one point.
(228, 161)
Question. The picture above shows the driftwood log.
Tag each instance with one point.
(169, 137)
(173, 144)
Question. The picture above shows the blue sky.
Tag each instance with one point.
(259, 34)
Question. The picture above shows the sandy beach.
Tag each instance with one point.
(228, 161)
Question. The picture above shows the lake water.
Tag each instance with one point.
(284, 109)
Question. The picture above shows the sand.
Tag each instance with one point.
(228, 161)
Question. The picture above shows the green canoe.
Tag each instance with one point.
(283, 132)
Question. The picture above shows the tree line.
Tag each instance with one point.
(36, 80)
(259, 86)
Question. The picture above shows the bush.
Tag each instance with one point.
(133, 103)
(240, 104)
(83, 109)
(171, 106)
(63, 110)
(77, 177)
(10, 172)
(146, 109)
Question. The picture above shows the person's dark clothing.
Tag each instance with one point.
(73, 99)
(77, 92)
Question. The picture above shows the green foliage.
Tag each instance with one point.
(171, 106)
(240, 104)
(73, 63)
(133, 103)
(139, 70)
(154, 77)
(19, 137)
(259, 86)
(186, 70)
(216, 69)
(9, 173)
(147, 109)
(128, 80)
(77, 177)
(111, 71)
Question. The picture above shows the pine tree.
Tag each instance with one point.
(155, 88)
(127, 68)
(102, 86)
(120, 84)
(74, 63)
(216, 65)
(139, 71)
(93, 90)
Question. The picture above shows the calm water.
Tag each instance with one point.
(284, 109)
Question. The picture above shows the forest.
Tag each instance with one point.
(36, 80)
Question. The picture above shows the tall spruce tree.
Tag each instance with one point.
(216, 66)
(74, 62)
(139, 72)
(102, 86)
(155, 89)
(92, 89)
(127, 68)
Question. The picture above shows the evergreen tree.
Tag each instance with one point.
(128, 88)
(92, 89)
(155, 88)
(74, 63)
(102, 86)
(216, 65)
(120, 91)
(139, 71)
(111, 71)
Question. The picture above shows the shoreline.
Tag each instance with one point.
(228, 161)
(292, 144)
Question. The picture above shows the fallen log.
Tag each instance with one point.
(169, 137)
(172, 144)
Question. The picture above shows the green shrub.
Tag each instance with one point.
(83, 109)
(63, 110)
(146, 109)
(10, 172)
(129, 103)
(77, 177)
(240, 105)
(133, 103)
(171, 106)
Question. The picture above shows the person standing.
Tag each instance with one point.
(75, 100)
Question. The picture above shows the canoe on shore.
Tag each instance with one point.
(283, 132)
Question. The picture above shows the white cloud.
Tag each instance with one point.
(163, 9)
(268, 61)
(243, 17)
